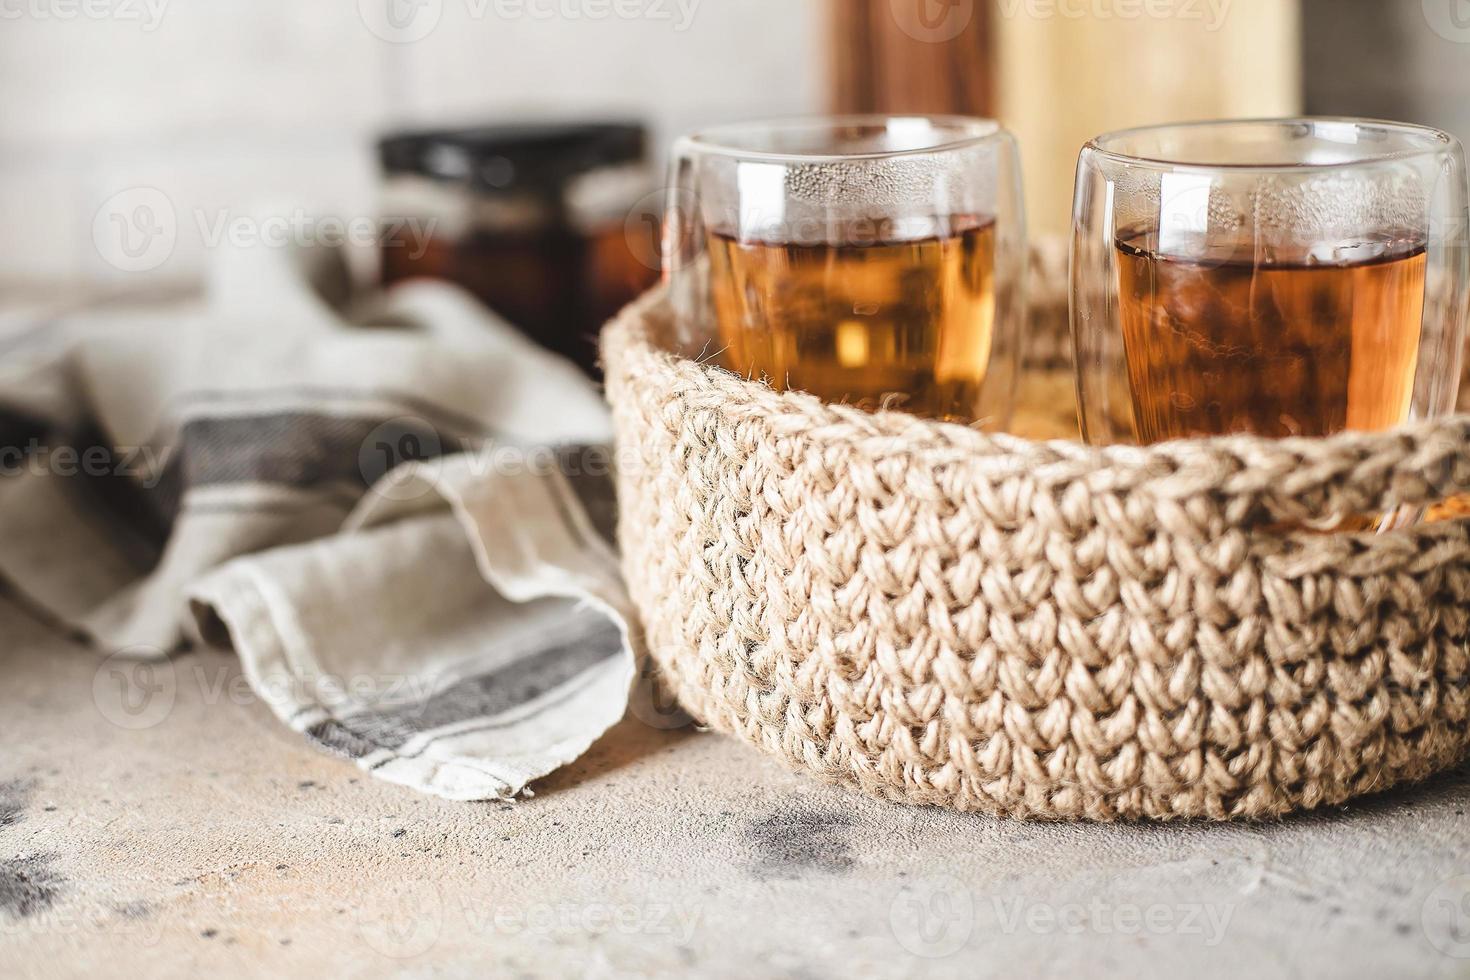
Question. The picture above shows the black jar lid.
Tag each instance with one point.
(538, 157)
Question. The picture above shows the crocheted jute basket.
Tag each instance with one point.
(1045, 630)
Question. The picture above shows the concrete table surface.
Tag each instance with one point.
(193, 834)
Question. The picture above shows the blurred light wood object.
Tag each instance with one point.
(1062, 79)
(911, 56)
(1058, 72)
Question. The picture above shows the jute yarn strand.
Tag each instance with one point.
(1044, 630)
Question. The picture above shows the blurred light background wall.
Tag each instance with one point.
(223, 103)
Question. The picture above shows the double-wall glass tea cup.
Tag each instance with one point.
(1293, 277)
(871, 260)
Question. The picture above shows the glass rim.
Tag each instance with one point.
(1436, 143)
(966, 132)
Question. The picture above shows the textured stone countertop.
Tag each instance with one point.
(214, 841)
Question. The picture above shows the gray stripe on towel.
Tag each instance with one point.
(294, 449)
(483, 696)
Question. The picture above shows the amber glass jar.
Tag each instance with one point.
(531, 219)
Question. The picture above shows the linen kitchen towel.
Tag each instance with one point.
(397, 514)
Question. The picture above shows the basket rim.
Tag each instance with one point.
(1418, 464)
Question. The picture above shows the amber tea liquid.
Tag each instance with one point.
(904, 322)
(1227, 340)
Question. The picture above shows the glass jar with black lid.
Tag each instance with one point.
(531, 218)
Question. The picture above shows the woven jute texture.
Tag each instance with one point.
(1045, 630)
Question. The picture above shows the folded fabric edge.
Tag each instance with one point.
(232, 608)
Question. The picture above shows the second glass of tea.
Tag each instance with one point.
(874, 260)
(1292, 277)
